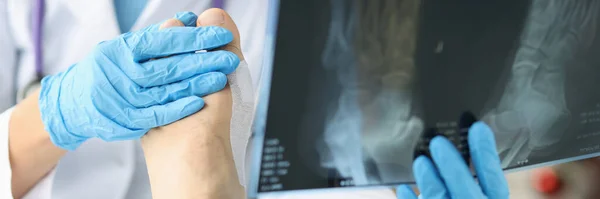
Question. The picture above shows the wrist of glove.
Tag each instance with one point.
(136, 82)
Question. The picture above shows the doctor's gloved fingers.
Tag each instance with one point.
(160, 115)
(120, 133)
(170, 23)
(200, 85)
(486, 161)
(176, 40)
(187, 18)
(405, 192)
(428, 179)
(453, 169)
(181, 19)
(179, 67)
(163, 24)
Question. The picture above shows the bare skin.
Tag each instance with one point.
(192, 158)
(32, 154)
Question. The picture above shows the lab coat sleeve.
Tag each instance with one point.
(42, 190)
(8, 56)
(8, 60)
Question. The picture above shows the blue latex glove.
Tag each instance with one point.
(128, 85)
(452, 178)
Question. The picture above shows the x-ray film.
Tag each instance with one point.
(359, 86)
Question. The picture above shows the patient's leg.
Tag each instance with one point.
(532, 112)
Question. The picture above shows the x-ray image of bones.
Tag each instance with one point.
(371, 46)
(532, 113)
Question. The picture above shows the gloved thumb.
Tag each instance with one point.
(218, 17)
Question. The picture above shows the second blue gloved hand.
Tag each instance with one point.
(136, 82)
(448, 175)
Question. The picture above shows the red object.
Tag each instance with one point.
(545, 180)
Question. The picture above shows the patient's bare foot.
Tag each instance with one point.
(197, 149)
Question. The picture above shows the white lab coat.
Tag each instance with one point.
(97, 169)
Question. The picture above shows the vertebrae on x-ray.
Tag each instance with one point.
(371, 46)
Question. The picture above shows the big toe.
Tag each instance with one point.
(218, 17)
